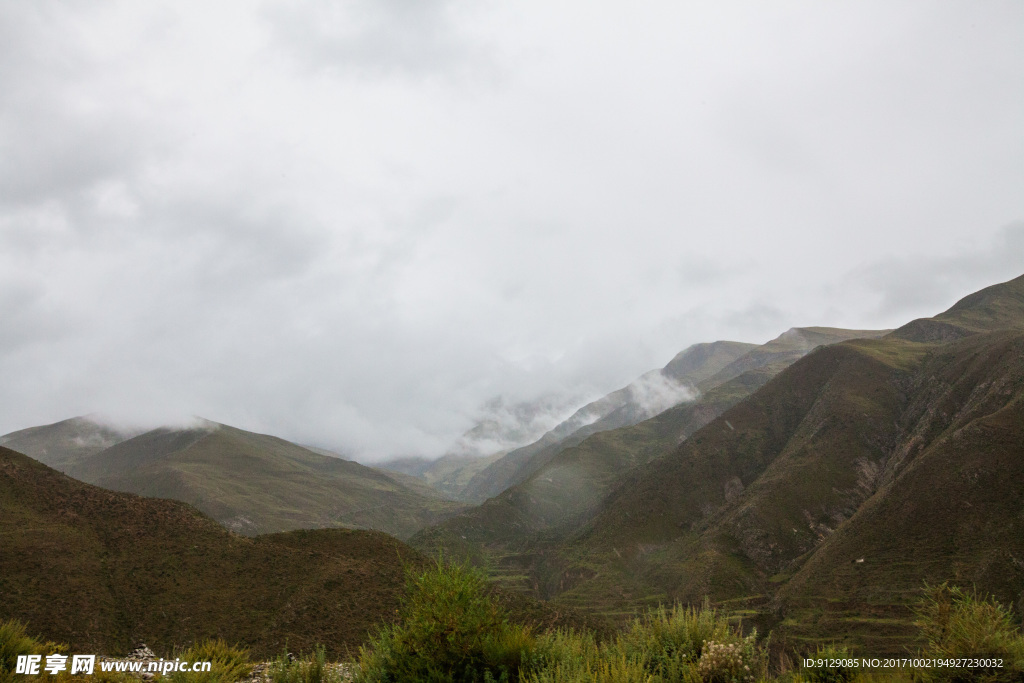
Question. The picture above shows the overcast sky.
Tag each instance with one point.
(355, 223)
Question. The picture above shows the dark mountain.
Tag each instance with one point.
(255, 483)
(993, 308)
(101, 570)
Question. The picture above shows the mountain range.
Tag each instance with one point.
(250, 483)
(809, 485)
(815, 503)
(563, 479)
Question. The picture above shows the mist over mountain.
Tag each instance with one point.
(504, 424)
(814, 496)
(64, 443)
(251, 483)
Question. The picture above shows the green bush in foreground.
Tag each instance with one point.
(449, 630)
(956, 623)
(229, 663)
(679, 644)
(15, 641)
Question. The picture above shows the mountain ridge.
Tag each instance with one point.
(252, 483)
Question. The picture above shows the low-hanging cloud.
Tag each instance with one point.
(654, 392)
(358, 226)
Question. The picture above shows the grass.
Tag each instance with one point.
(229, 663)
(311, 668)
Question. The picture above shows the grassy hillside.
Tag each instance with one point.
(254, 483)
(999, 307)
(824, 500)
(818, 505)
(508, 529)
(63, 443)
(704, 366)
(448, 475)
(569, 486)
(618, 409)
(102, 570)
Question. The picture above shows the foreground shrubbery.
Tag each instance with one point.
(957, 623)
(228, 663)
(450, 629)
(15, 641)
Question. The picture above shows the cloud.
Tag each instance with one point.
(905, 286)
(655, 392)
(412, 39)
(356, 225)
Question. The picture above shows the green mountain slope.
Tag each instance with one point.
(101, 570)
(576, 479)
(68, 441)
(620, 408)
(827, 497)
(568, 487)
(254, 483)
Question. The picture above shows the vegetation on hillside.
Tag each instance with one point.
(450, 629)
(100, 570)
(251, 483)
(816, 506)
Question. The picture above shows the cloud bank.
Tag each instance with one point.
(357, 225)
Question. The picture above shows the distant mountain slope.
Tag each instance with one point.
(448, 475)
(574, 480)
(831, 493)
(101, 570)
(647, 396)
(702, 366)
(255, 483)
(63, 443)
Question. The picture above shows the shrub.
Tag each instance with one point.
(449, 629)
(956, 623)
(14, 641)
(669, 641)
(228, 663)
(727, 662)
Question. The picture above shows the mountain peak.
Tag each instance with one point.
(999, 307)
